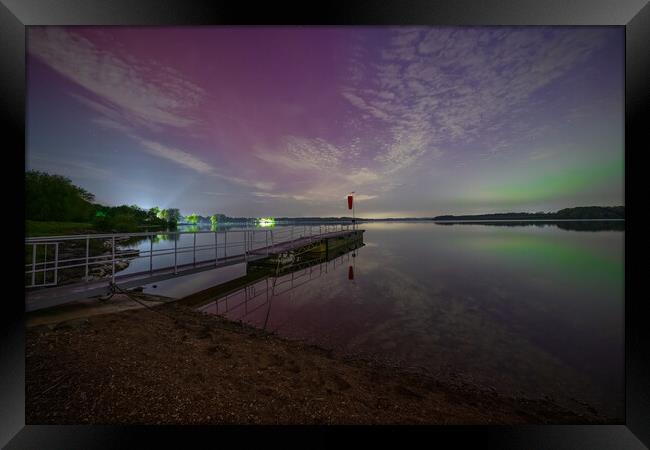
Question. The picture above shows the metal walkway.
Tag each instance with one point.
(227, 247)
(291, 245)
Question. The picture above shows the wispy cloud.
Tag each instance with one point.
(189, 161)
(440, 87)
(263, 185)
(179, 157)
(363, 197)
(362, 176)
(138, 92)
(68, 167)
(80, 169)
(280, 195)
(301, 153)
(325, 168)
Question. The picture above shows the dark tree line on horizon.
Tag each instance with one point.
(577, 213)
(53, 198)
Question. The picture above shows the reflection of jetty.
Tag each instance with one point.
(213, 249)
(255, 295)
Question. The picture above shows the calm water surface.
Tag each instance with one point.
(531, 310)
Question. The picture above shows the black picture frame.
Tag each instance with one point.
(634, 15)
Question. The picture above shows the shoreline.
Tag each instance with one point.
(169, 364)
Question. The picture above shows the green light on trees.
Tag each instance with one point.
(266, 221)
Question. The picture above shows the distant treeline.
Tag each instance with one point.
(573, 225)
(577, 213)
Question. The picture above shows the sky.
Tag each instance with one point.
(286, 121)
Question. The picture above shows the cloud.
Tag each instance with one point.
(80, 169)
(362, 197)
(542, 154)
(300, 153)
(280, 195)
(110, 118)
(112, 124)
(363, 176)
(263, 185)
(177, 156)
(189, 161)
(141, 92)
(440, 88)
(361, 104)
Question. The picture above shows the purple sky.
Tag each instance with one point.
(286, 121)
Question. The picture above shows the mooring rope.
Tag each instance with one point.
(115, 289)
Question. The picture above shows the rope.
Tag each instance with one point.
(115, 289)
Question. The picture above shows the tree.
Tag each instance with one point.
(173, 215)
(193, 218)
(214, 220)
(55, 198)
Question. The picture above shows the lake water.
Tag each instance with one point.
(527, 310)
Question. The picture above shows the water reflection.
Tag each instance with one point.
(244, 303)
(586, 225)
(536, 310)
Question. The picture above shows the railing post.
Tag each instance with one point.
(151, 254)
(176, 253)
(225, 244)
(216, 249)
(113, 261)
(56, 263)
(87, 254)
(266, 241)
(246, 246)
(194, 250)
(33, 263)
(45, 264)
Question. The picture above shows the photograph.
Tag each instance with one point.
(325, 225)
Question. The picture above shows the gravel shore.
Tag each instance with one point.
(169, 364)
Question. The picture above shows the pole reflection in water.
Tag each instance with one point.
(351, 269)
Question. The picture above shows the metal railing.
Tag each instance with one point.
(98, 256)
